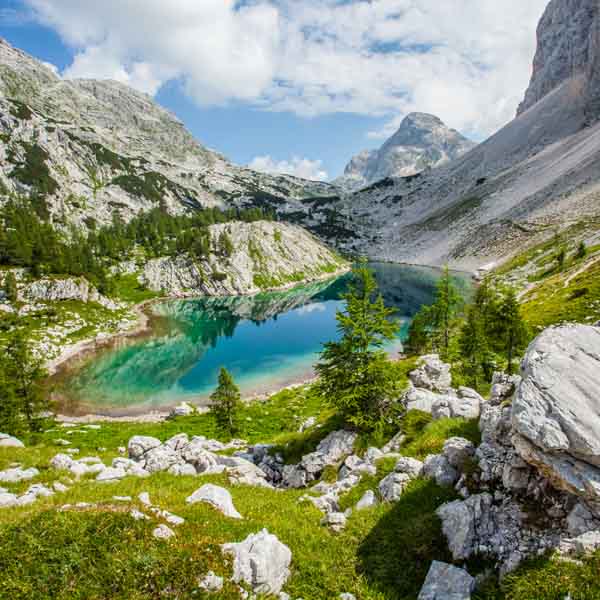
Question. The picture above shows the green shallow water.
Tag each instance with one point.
(267, 342)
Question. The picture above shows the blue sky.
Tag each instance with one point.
(295, 85)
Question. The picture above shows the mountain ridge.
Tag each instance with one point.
(421, 142)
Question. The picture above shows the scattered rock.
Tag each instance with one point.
(211, 583)
(335, 521)
(216, 496)
(138, 515)
(144, 498)
(458, 451)
(139, 445)
(182, 410)
(260, 561)
(447, 582)
(8, 500)
(18, 474)
(162, 532)
(368, 500)
(110, 474)
(409, 466)
(310, 422)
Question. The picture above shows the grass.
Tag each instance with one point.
(129, 289)
(383, 554)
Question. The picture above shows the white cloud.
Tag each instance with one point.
(467, 61)
(299, 167)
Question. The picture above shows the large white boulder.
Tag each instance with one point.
(556, 409)
(261, 561)
(8, 441)
(140, 444)
(447, 582)
(216, 496)
(18, 474)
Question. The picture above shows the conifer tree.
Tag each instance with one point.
(581, 250)
(24, 377)
(10, 287)
(473, 346)
(355, 374)
(226, 403)
(513, 327)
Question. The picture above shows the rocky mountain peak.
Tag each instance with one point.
(422, 141)
(568, 46)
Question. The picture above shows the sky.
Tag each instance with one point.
(295, 86)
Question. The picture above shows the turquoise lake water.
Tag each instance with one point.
(267, 342)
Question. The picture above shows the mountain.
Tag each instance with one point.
(535, 176)
(423, 141)
(89, 149)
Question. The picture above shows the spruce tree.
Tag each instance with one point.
(473, 347)
(10, 287)
(446, 307)
(581, 250)
(513, 327)
(355, 375)
(25, 377)
(226, 402)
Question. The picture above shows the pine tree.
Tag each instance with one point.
(581, 250)
(10, 287)
(419, 332)
(446, 306)
(226, 403)
(225, 245)
(513, 327)
(355, 373)
(25, 376)
(473, 347)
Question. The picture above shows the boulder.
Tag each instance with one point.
(110, 474)
(355, 464)
(162, 532)
(392, 486)
(8, 500)
(61, 462)
(18, 474)
(410, 466)
(140, 444)
(8, 441)
(182, 410)
(183, 469)
(503, 387)
(447, 582)
(211, 583)
(431, 374)
(556, 410)
(261, 561)
(368, 500)
(161, 458)
(437, 466)
(335, 521)
(458, 451)
(178, 442)
(426, 400)
(337, 445)
(217, 497)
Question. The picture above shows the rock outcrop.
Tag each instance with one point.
(555, 413)
(261, 561)
(265, 255)
(422, 142)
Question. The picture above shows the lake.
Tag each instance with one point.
(266, 341)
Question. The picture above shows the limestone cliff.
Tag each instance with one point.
(264, 256)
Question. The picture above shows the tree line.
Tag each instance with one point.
(28, 240)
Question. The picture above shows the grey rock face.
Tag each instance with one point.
(261, 561)
(458, 451)
(556, 410)
(567, 45)
(392, 486)
(437, 466)
(447, 582)
(216, 496)
(423, 141)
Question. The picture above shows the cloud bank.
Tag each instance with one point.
(468, 61)
(299, 167)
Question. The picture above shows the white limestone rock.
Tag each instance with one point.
(8, 441)
(162, 532)
(211, 583)
(392, 486)
(431, 374)
(140, 444)
(216, 496)
(261, 561)
(368, 500)
(458, 451)
(410, 466)
(18, 474)
(110, 475)
(437, 466)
